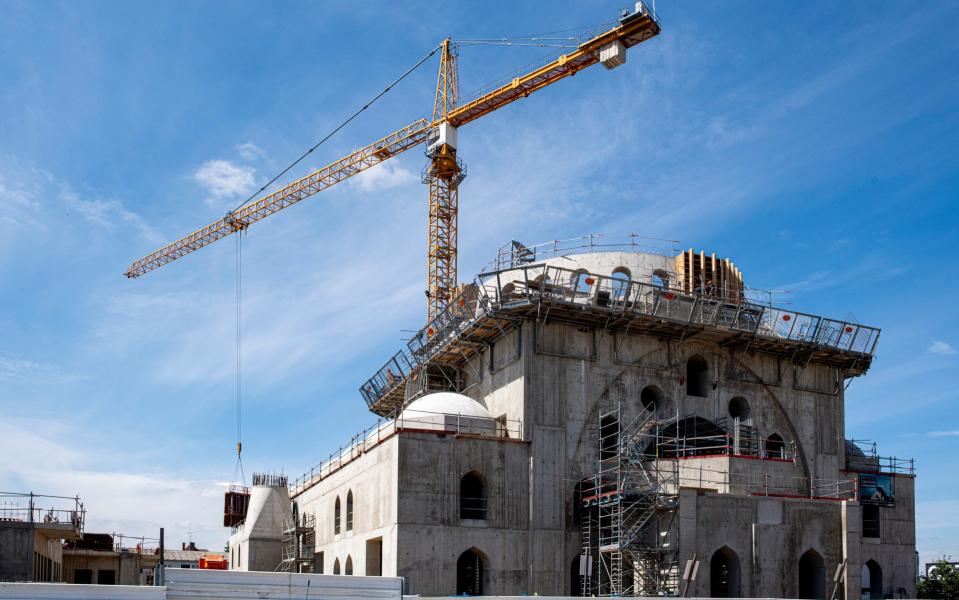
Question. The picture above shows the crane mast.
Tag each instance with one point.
(443, 172)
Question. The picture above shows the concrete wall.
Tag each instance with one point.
(127, 568)
(258, 544)
(894, 549)
(431, 534)
(768, 535)
(552, 380)
(16, 551)
(372, 478)
(29, 553)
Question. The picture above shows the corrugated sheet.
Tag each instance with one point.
(215, 585)
(189, 584)
(69, 591)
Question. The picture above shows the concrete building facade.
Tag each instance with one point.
(32, 535)
(587, 421)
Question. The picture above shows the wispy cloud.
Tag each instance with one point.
(939, 434)
(18, 370)
(107, 214)
(384, 176)
(941, 347)
(133, 503)
(36, 200)
(224, 179)
(250, 151)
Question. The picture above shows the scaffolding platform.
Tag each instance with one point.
(498, 300)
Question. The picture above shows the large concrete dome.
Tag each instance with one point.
(447, 403)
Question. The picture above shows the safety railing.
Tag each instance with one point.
(617, 297)
(396, 369)
(423, 421)
(40, 508)
(667, 477)
(898, 466)
(721, 445)
(621, 297)
(516, 254)
(131, 544)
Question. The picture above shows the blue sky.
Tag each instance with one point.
(816, 144)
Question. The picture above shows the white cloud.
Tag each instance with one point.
(944, 433)
(34, 199)
(132, 503)
(108, 213)
(941, 347)
(250, 151)
(224, 179)
(19, 370)
(383, 176)
(20, 198)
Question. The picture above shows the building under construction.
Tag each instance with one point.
(612, 420)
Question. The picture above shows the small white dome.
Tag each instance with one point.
(447, 403)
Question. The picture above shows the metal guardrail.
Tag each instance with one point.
(372, 436)
(31, 508)
(669, 479)
(515, 254)
(619, 297)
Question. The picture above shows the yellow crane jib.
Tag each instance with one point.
(444, 171)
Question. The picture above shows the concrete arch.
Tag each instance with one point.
(784, 418)
(471, 573)
(871, 578)
(473, 496)
(725, 574)
(812, 575)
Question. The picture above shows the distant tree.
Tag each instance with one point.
(942, 583)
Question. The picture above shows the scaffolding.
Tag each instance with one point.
(630, 521)
(299, 542)
(521, 288)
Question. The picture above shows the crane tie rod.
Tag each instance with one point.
(338, 127)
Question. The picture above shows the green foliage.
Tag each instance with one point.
(942, 583)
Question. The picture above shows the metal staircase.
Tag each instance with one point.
(630, 529)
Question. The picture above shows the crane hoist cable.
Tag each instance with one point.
(238, 469)
(339, 127)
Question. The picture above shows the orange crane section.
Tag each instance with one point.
(444, 172)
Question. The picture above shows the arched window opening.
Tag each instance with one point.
(775, 446)
(608, 437)
(575, 579)
(469, 574)
(348, 569)
(580, 280)
(660, 278)
(871, 580)
(739, 408)
(349, 510)
(697, 376)
(724, 574)
(870, 521)
(336, 567)
(472, 496)
(620, 282)
(812, 576)
(336, 517)
(507, 291)
(652, 398)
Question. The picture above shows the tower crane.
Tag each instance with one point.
(444, 171)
